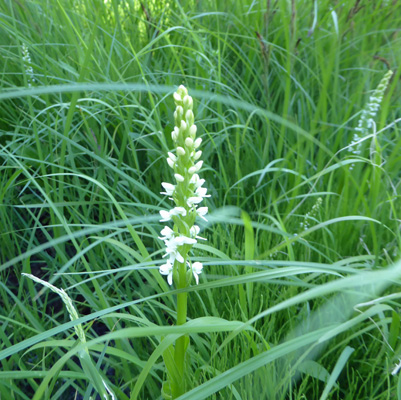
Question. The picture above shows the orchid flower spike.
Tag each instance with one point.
(186, 192)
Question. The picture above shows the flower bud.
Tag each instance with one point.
(192, 170)
(192, 131)
(178, 113)
(180, 151)
(177, 97)
(179, 178)
(198, 165)
(189, 142)
(189, 116)
(174, 136)
(198, 142)
(182, 91)
(183, 125)
(188, 102)
(197, 155)
(172, 156)
(170, 162)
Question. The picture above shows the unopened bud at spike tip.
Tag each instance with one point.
(180, 151)
(188, 102)
(182, 91)
(177, 97)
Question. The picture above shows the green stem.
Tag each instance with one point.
(178, 388)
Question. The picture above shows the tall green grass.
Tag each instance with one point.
(281, 312)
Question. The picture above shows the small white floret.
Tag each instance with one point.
(165, 215)
(197, 269)
(201, 192)
(167, 269)
(178, 211)
(202, 211)
(167, 233)
(169, 189)
(194, 200)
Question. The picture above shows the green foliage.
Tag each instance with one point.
(281, 312)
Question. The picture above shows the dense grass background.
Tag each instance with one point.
(278, 88)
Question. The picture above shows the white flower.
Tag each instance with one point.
(194, 232)
(194, 200)
(169, 189)
(201, 192)
(202, 211)
(178, 211)
(165, 215)
(167, 269)
(167, 233)
(181, 240)
(173, 254)
(197, 268)
(172, 246)
(196, 181)
(192, 170)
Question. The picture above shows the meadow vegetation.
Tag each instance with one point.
(299, 295)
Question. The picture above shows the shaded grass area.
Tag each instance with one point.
(278, 89)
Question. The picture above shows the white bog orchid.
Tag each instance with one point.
(169, 189)
(187, 193)
(167, 269)
(197, 269)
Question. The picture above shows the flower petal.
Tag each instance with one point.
(165, 215)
